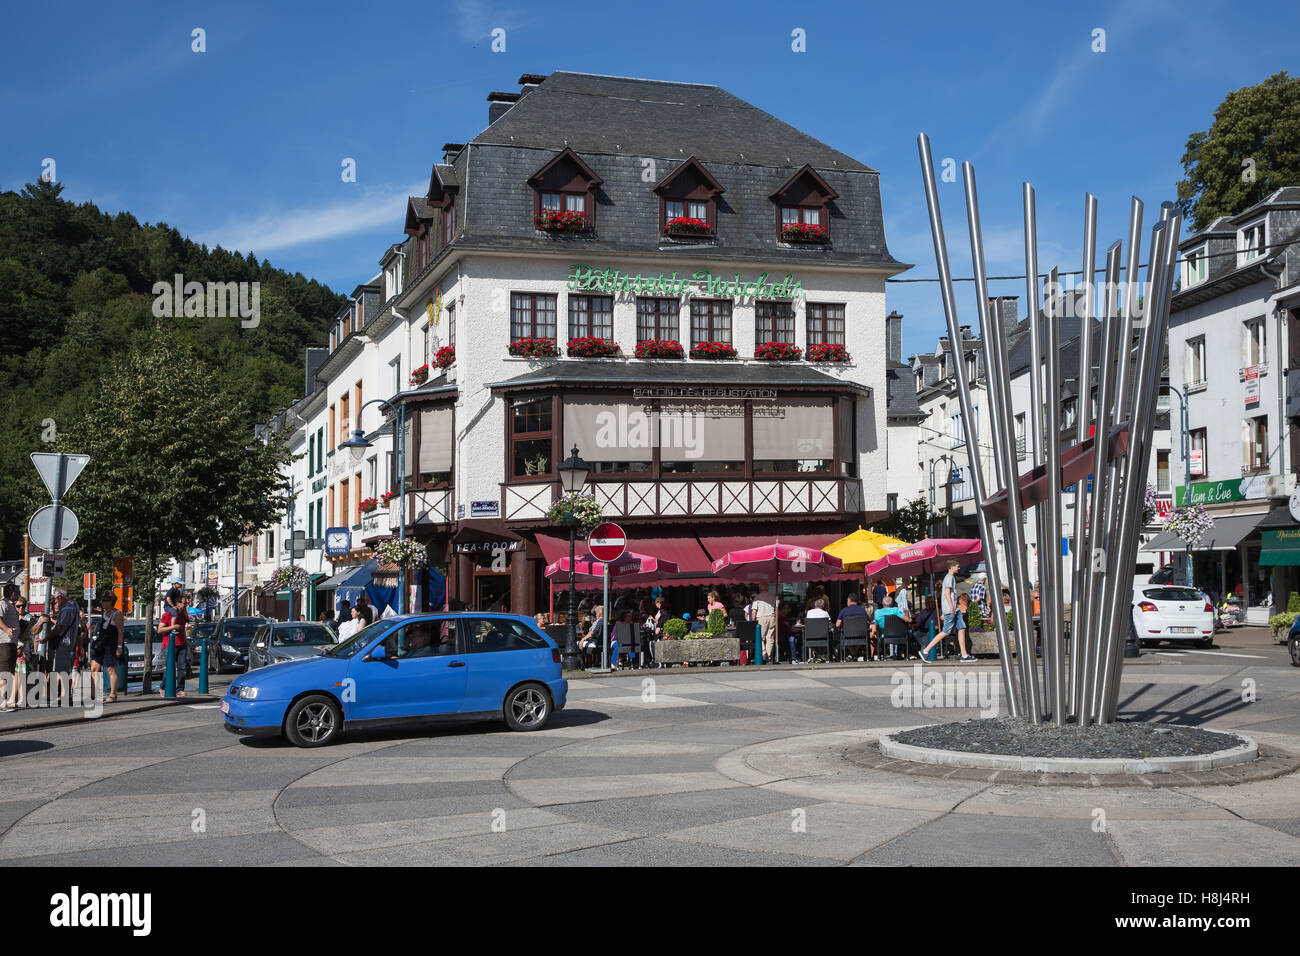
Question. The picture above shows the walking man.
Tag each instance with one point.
(948, 605)
(763, 611)
(9, 636)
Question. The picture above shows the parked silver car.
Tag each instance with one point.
(278, 641)
(133, 634)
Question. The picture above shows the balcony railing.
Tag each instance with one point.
(696, 498)
(423, 508)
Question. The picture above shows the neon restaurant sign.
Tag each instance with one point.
(703, 282)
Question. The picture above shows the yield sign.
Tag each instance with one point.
(48, 466)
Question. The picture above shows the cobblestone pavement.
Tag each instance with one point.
(707, 766)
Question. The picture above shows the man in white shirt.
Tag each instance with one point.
(763, 610)
(818, 610)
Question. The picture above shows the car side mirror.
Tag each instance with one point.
(261, 645)
(378, 653)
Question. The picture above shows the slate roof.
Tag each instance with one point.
(738, 375)
(900, 393)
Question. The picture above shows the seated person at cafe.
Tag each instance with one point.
(921, 621)
(701, 616)
(852, 609)
(818, 610)
(888, 610)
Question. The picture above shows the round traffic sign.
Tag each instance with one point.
(41, 528)
(607, 542)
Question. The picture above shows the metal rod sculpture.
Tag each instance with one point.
(1115, 457)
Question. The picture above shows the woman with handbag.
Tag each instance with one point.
(107, 651)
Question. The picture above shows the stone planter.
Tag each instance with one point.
(986, 642)
(701, 649)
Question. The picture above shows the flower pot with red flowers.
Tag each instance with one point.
(659, 349)
(713, 350)
(387, 496)
(530, 347)
(420, 375)
(827, 352)
(445, 357)
(590, 346)
(803, 232)
(368, 505)
(553, 220)
(778, 352)
(687, 226)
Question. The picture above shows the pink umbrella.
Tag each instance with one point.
(776, 562)
(630, 570)
(925, 556)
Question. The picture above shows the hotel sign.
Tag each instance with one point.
(702, 282)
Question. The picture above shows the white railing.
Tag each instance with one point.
(697, 498)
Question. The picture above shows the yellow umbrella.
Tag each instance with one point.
(860, 548)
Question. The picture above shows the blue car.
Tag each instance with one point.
(412, 667)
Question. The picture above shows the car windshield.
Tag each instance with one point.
(1173, 594)
(301, 635)
(359, 640)
(241, 630)
(133, 634)
(204, 629)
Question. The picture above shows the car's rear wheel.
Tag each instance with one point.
(1294, 646)
(527, 707)
(1206, 642)
(314, 721)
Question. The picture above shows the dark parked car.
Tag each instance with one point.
(279, 641)
(197, 634)
(231, 640)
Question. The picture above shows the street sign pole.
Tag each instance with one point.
(605, 618)
(62, 473)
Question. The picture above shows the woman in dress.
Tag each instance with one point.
(107, 649)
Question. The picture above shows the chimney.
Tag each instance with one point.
(499, 104)
(315, 356)
(450, 151)
(894, 337)
(529, 82)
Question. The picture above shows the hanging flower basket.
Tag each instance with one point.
(291, 577)
(420, 375)
(1149, 504)
(713, 350)
(659, 349)
(803, 232)
(687, 226)
(534, 348)
(407, 552)
(575, 510)
(206, 593)
(589, 346)
(552, 220)
(778, 352)
(1189, 524)
(368, 505)
(445, 357)
(827, 352)
(387, 496)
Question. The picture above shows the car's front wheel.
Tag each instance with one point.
(527, 707)
(1294, 646)
(314, 721)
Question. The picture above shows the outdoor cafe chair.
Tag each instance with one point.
(855, 633)
(895, 633)
(816, 634)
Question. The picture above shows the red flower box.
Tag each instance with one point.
(778, 352)
(388, 496)
(534, 348)
(687, 226)
(659, 348)
(827, 352)
(445, 356)
(420, 375)
(713, 350)
(552, 220)
(368, 504)
(589, 346)
(803, 232)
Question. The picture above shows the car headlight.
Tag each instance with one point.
(230, 648)
(248, 693)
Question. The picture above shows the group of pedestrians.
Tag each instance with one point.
(51, 642)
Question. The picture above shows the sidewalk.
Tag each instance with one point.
(51, 714)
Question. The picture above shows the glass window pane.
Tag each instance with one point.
(673, 209)
(702, 437)
(551, 201)
(577, 202)
(797, 435)
(812, 216)
(435, 442)
(698, 210)
(789, 214)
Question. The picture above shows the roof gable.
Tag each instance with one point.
(687, 179)
(805, 184)
(566, 170)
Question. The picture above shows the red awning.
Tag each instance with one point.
(685, 551)
(717, 547)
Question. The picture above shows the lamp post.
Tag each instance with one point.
(573, 477)
(1185, 445)
(357, 446)
(952, 468)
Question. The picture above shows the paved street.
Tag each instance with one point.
(708, 766)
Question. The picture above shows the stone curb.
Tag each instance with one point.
(109, 712)
(1242, 753)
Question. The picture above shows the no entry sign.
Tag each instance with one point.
(607, 542)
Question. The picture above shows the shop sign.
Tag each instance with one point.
(1252, 386)
(488, 547)
(1217, 492)
(460, 510)
(683, 392)
(1197, 461)
(484, 509)
(702, 282)
(338, 541)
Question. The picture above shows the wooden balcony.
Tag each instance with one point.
(423, 508)
(696, 498)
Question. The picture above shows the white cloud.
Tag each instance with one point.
(374, 208)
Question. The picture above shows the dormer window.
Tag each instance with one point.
(803, 207)
(564, 194)
(441, 200)
(1251, 242)
(688, 201)
(1196, 266)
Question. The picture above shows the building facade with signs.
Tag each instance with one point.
(1233, 355)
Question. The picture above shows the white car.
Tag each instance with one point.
(1171, 612)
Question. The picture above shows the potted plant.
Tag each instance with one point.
(290, 577)
(537, 465)
(531, 347)
(709, 644)
(676, 629)
(368, 505)
(590, 346)
(713, 350)
(827, 352)
(687, 226)
(659, 349)
(388, 496)
(420, 375)
(445, 357)
(803, 232)
(553, 220)
(577, 510)
(206, 593)
(778, 352)
(405, 552)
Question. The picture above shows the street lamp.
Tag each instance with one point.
(357, 446)
(573, 478)
(952, 479)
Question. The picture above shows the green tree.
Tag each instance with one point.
(1251, 150)
(173, 465)
(910, 523)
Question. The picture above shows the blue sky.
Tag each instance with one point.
(242, 145)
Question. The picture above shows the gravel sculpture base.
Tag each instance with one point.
(1012, 743)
